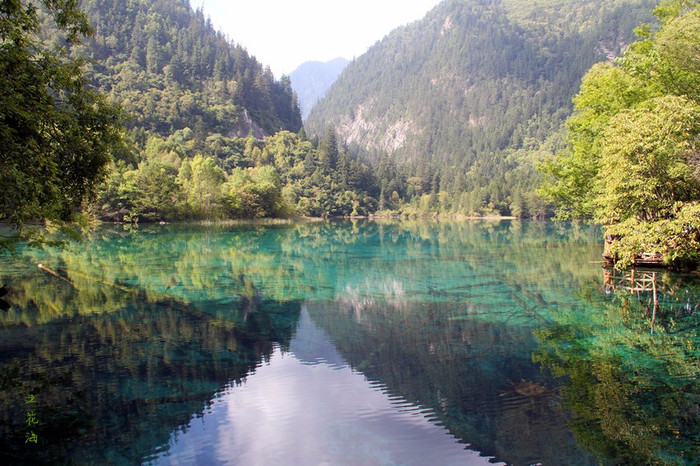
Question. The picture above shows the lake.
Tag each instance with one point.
(345, 342)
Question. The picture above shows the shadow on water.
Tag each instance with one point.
(109, 385)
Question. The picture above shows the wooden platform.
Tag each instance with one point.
(645, 259)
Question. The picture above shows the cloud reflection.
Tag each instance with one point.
(308, 407)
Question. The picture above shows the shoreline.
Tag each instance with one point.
(284, 221)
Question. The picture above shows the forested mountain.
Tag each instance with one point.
(210, 133)
(448, 115)
(466, 101)
(170, 69)
(311, 80)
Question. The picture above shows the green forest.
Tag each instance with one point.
(632, 162)
(140, 111)
(210, 133)
(194, 127)
(470, 99)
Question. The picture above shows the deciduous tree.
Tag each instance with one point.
(56, 133)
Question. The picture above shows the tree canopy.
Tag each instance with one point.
(632, 162)
(57, 133)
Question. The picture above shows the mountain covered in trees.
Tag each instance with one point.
(448, 115)
(170, 69)
(209, 133)
(311, 79)
(464, 103)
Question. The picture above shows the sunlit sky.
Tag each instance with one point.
(286, 33)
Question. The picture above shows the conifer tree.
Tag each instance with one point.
(328, 151)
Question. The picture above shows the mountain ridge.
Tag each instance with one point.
(170, 69)
(311, 79)
(469, 98)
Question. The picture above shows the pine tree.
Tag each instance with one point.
(328, 151)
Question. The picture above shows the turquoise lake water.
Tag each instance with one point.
(345, 342)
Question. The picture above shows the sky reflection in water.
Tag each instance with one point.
(307, 406)
(344, 343)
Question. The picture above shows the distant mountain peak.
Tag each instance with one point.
(311, 80)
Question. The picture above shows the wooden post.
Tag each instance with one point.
(656, 302)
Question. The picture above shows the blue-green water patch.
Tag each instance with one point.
(454, 343)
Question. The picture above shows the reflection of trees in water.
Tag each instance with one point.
(468, 371)
(200, 292)
(634, 394)
(111, 387)
(317, 259)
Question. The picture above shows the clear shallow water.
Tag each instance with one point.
(343, 343)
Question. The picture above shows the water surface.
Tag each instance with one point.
(344, 343)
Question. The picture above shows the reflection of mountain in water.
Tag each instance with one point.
(110, 388)
(310, 344)
(309, 407)
(141, 328)
(477, 376)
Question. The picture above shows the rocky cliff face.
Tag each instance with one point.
(246, 126)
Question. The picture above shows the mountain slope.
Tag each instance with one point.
(469, 98)
(170, 69)
(311, 80)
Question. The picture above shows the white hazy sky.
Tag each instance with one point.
(286, 33)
